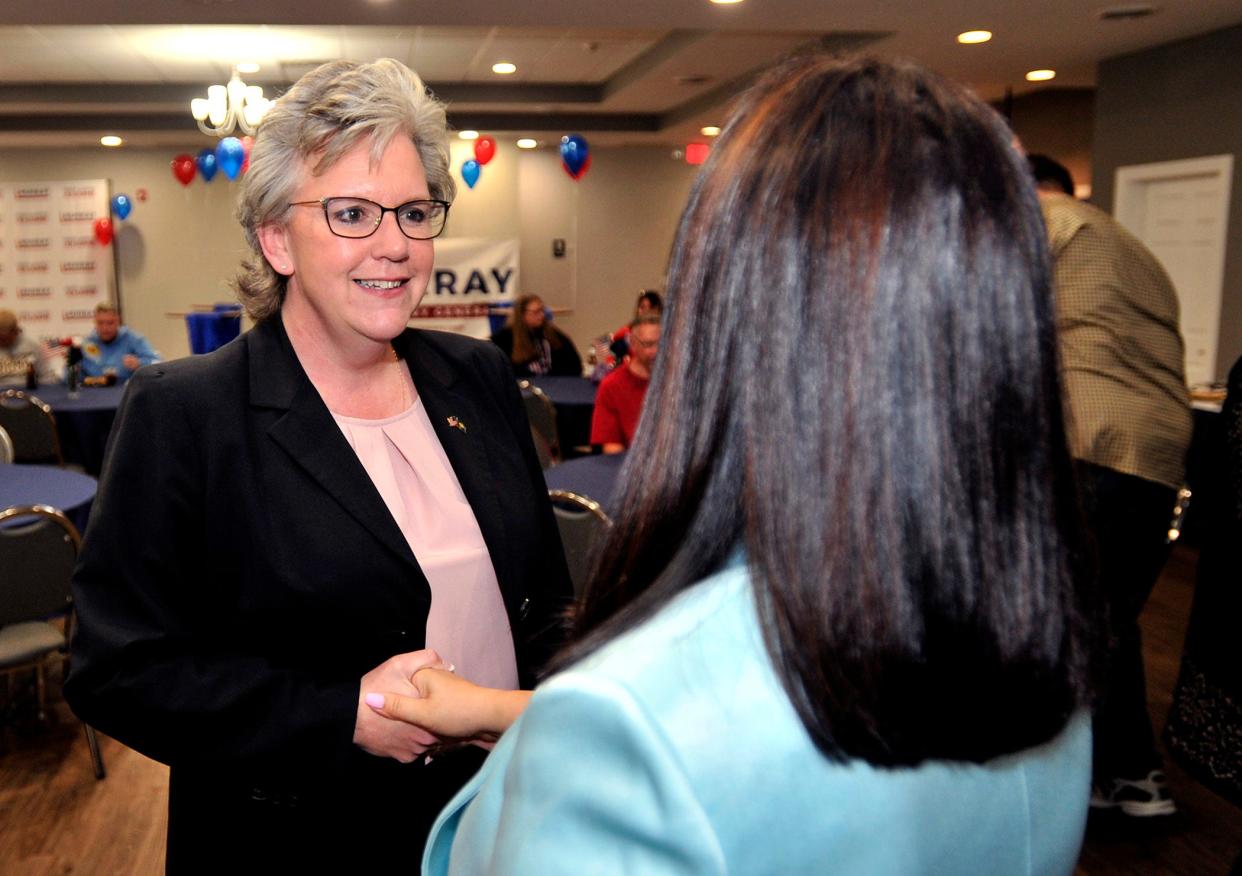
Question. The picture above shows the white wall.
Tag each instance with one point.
(182, 246)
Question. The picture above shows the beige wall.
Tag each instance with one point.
(182, 246)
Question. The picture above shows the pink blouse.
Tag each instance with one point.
(467, 624)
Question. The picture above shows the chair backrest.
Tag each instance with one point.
(542, 415)
(6, 446)
(38, 550)
(542, 450)
(31, 427)
(582, 523)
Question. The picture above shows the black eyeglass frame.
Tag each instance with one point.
(323, 203)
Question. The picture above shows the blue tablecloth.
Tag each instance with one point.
(591, 476)
(568, 391)
(574, 399)
(83, 422)
(69, 491)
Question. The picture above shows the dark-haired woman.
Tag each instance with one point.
(535, 346)
(836, 627)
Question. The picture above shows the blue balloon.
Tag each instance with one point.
(230, 155)
(470, 171)
(207, 165)
(574, 152)
(121, 205)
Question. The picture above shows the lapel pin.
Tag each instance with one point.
(455, 423)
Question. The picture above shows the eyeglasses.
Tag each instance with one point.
(358, 217)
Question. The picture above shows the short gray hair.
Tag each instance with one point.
(325, 114)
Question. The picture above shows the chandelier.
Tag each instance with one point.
(225, 109)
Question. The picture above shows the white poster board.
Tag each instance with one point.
(52, 269)
(471, 274)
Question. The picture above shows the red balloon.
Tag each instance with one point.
(247, 142)
(183, 168)
(103, 231)
(484, 149)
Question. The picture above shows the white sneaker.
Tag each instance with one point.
(1138, 798)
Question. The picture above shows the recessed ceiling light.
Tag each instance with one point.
(1040, 75)
(527, 143)
(110, 140)
(725, 2)
(468, 135)
(709, 131)
(504, 68)
(247, 67)
(971, 37)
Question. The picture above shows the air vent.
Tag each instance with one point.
(1127, 12)
(692, 79)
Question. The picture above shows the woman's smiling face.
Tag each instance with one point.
(348, 289)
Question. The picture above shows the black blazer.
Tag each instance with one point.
(241, 573)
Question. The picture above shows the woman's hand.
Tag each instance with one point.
(451, 707)
(384, 737)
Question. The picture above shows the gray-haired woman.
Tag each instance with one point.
(322, 507)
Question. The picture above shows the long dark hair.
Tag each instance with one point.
(526, 342)
(858, 388)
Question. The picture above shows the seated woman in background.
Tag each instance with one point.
(535, 346)
(837, 623)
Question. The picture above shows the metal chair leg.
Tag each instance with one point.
(96, 758)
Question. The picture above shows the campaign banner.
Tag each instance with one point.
(472, 274)
(52, 269)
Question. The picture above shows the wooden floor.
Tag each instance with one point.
(56, 819)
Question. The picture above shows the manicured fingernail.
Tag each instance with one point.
(375, 701)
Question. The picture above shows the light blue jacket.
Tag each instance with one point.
(675, 750)
(99, 358)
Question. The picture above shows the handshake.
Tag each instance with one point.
(413, 705)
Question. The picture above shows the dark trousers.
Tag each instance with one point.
(1129, 518)
(374, 822)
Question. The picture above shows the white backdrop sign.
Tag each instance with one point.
(471, 274)
(52, 269)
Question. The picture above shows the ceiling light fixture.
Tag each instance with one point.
(467, 135)
(504, 68)
(726, 2)
(1040, 75)
(527, 143)
(110, 140)
(974, 37)
(710, 131)
(230, 108)
(248, 67)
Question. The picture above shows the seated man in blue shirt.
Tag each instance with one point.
(114, 349)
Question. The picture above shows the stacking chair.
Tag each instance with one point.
(38, 550)
(6, 446)
(582, 523)
(31, 427)
(542, 450)
(542, 414)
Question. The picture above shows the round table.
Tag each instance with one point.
(83, 422)
(574, 400)
(591, 476)
(68, 491)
